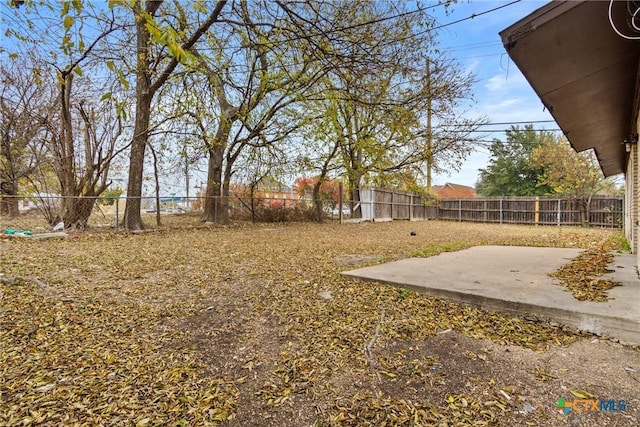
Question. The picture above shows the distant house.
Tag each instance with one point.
(38, 200)
(269, 191)
(453, 191)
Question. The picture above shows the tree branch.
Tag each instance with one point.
(213, 17)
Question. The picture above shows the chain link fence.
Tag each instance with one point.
(375, 205)
(108, 212)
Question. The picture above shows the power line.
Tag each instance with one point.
(376, 21)
(476, 45)
(366, 23)
(472, 16)
(503, 130)
(481, 56)
(400, 15)
(475, 15)
(387, 18)
(526, 122)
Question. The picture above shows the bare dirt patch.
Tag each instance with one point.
(255, 326)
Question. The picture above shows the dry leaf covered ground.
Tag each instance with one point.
(253, 325)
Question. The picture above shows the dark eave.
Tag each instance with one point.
(584, 73)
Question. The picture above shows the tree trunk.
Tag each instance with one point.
(156, 177)
(252, 193)
(132, 218)
(216, 206)
(223, 205)
(78, 194)
(145, 91)
(74, 211)
(9, 199)
(317, 203)
(214, 184)
(356, 209)
(77, 211)
(354, 179)
(8, 181)
(215, 210)
(585, 210)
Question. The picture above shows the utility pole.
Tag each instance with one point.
(186, 178)
(429, 141)
(186, 174)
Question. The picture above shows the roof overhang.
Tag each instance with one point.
(585, 74)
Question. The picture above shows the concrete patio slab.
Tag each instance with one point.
(514, 280)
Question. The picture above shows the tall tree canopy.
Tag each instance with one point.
(569, 173)
(372, 118)
(510, 171)
(534, 163)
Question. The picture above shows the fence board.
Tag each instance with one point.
(603, 211)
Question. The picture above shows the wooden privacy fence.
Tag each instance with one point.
(602, 211)
(378, 204)
(385, 205)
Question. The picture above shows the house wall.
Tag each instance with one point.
(632, 197)
(635, 195)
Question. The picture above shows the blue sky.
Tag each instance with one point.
(502, 93)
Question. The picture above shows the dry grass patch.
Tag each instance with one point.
(254, 325)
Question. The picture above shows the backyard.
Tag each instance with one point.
(253, 325)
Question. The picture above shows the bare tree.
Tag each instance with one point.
(284, 51)
(377, 111)
(23, 106)
(83, 127)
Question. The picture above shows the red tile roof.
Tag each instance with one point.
(453, 191)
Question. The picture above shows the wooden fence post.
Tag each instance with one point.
(393, 204)
(501, 216)
(559, 211)
(410, 207)
(537, 211)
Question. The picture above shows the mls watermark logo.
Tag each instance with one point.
(593, 405)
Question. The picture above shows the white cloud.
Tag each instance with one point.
(510, 99)
(504, 104)
(503, 82)
(472, 66)
(495, 83)
(527, 109)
